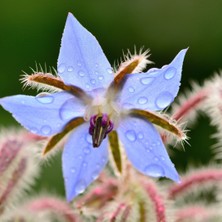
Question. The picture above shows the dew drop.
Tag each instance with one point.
(80, 187)
(81, 73)
(153, 144)
(170, 73)
(46, 130)
(131, 89)
(96, 65)
(95, 175)
(80, 157)
(89, 138)
(130, 135)
(61, 68)
(98, 166)
(148, 150)
(109, 70)
(156, 158)
(84, 164)
(79, 64)
(93, 81)
(127, 105)
(44, 98)
(153, 72)
(70, 69)
(33, 130)
(153, 69)
(104, 159)
(162, 158)
(87, 150)
(146, 80)
(73, 170)
(142, 100)
(164, 99)
(140, 136)
(87, 86)
(154, 170)
(100, 77)
(66, 112)
(66, 179)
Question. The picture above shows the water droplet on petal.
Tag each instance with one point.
(87, 150)
(140, 136)
(170, 73)
(154, 170)
(142, 100)
(96, 65)
(98, 166)
(153, 144)
(146, 80)
(156, 158)
(61, 68)
(44, 98)
(131, 89)
(80, 187)
(109, 70)
(84, 164)
(89, 138)
(104, 159)
(33, 130)
(70, 69)
(81, 73)
(162, 158)
(130, 135)
(93, 81)
(153, 72)
(73, 170)
(46, 130)
(79, 64)
(127, 106)
(80, 157)
(100, 77)
(95, 175)
(66, 112)
(164, 99)
(87, 86)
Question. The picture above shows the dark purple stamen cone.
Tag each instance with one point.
(100, 126)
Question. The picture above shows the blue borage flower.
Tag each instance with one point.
(104, 106)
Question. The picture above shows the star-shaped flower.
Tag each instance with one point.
(104, 106)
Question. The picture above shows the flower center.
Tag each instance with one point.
(100, 126)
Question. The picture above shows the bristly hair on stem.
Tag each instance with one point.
(141, 56)
(27, 79)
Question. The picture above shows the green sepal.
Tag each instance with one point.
(115, 150)
(54, 140)
(158, 120)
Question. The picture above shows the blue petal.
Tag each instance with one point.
(145, 149)
(155, 89)
(81, 60)
(81, 162)
(45, 114)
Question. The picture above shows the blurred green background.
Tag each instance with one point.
(30, 31)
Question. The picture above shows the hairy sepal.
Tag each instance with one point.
(159, 120)
(54, 140)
